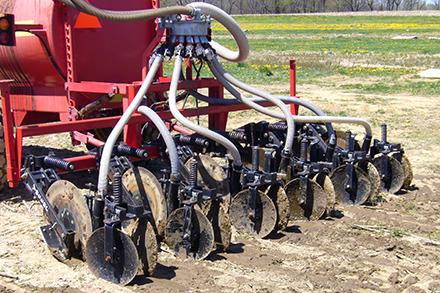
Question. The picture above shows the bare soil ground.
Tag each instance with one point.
(391, 247)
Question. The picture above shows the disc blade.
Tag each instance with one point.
(397, 174)
(221, 224)
(125, 266)
(145, 188)
(363, 191)
(141, 232)
(65, 195)
(278, 195)
(210, 174)
(407, 171)
(327, 185)
(374, 177)
(341, 141)
(265, 218)
(201, 239)
(312, 207)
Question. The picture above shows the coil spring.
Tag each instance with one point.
(117, 188)
(129, 151)
(277, 127)
(304, 147)
(193, 173)
(185, 139)
(238, 135)
(58, 163)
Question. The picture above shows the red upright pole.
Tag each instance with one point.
(132, 132)
(12, 167)
(293, 108)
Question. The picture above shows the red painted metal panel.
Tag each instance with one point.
(97, 123)
(54, 104)
(97, 87)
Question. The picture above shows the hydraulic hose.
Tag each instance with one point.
(337, 120)
(291, 100)
(286, 115)
(232, 26)
(113, 137)
(135, 15)
(124, 16)
(168, 139)
(321, 118)
(231, 148)
(245, 87)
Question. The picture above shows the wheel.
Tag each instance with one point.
(72, 209)
(306, 203)
(397, 173)
(146, 189)
(363, 192)
(3, 179)
(125, 265)
(262, 223)
(201, 239)
(278, 195)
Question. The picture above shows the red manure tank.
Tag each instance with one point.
(85, 48)
(65, 61)
(58, 44)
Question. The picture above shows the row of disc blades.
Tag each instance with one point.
(136, 243)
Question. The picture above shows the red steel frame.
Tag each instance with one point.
(217, 115)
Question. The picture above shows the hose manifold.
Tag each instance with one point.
(186, 31)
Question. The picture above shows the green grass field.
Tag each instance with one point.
(356, 53)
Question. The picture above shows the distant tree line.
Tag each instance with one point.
(312, 6)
